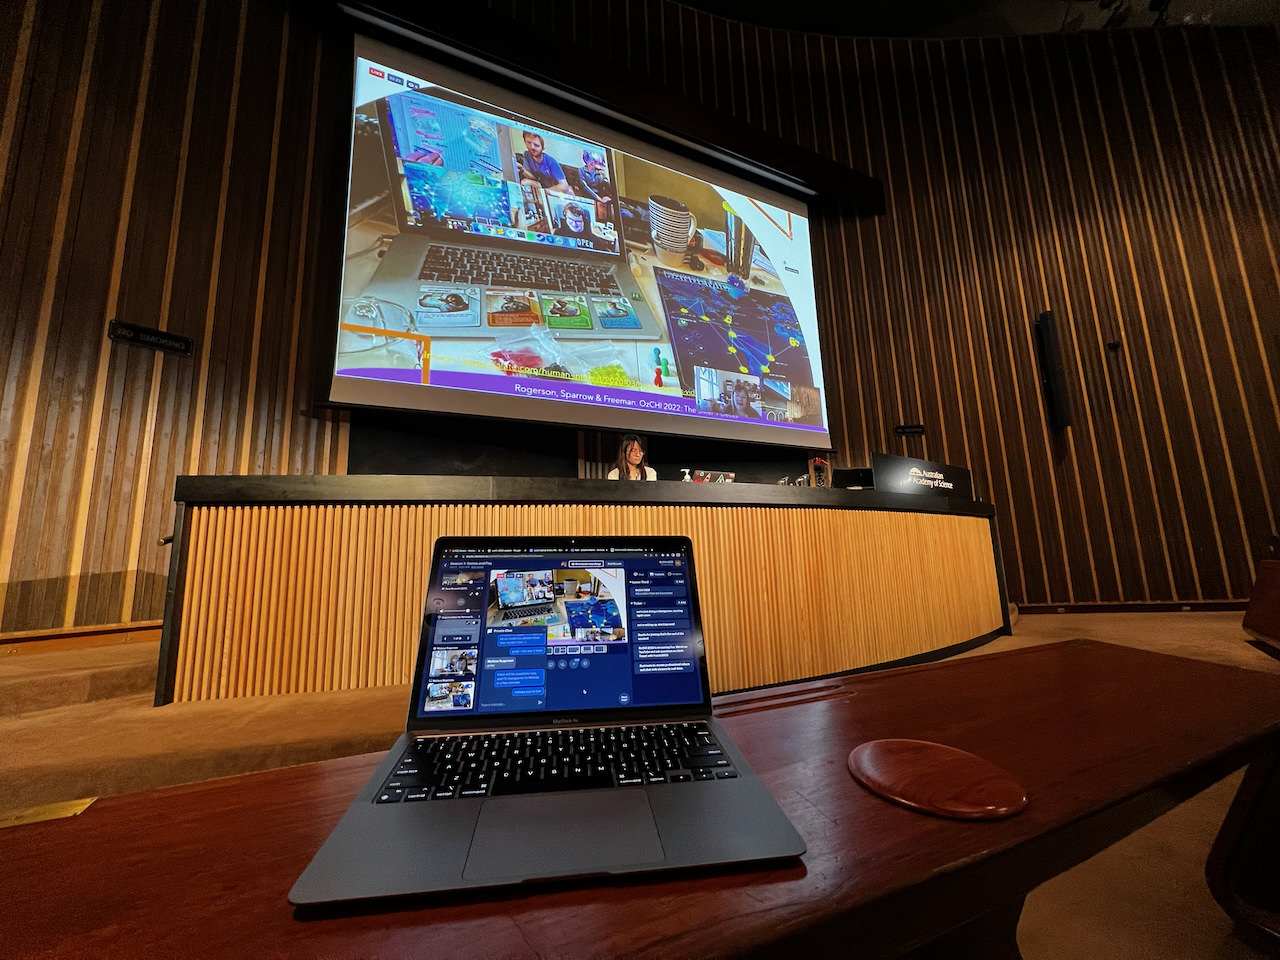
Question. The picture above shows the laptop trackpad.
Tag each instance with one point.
(562, 834)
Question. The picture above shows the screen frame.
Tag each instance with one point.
(417, 724)
(815, 187)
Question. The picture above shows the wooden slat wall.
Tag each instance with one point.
(1126, 180)
(165, 163)
(328, 597)
(156, 169)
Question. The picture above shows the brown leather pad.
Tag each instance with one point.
(937, 779)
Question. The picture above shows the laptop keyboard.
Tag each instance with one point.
(521, 613)
(503, 764)
(494, 268)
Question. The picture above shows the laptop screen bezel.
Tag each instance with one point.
(544, 719)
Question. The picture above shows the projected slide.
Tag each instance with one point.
(507, 260)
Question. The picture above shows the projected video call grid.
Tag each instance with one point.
(590, 316)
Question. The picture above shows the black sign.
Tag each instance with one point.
(908, 475)
(150, 337)
(909, 429)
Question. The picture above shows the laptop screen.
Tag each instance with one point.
(575, 628)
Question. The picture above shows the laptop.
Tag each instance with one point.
(575, 741)
(713, 476)
(482, 248)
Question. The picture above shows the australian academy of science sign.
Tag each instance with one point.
(908, 475)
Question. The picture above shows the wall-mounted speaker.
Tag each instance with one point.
(1053, 378)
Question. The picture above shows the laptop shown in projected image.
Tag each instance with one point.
(481, 245)
(573, 740)
(523, 595)
(713, 476)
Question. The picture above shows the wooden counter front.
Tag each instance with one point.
(291, 584)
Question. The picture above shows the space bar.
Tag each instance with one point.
(503, 788)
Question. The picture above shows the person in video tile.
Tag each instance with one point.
(741, 405)
(574, 223)
(595, 178)
(539, 167)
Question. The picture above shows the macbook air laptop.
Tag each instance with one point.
(575, 739)
(482, 247)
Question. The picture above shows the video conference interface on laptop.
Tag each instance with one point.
(570, 629)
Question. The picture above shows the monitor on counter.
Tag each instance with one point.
(508, 260)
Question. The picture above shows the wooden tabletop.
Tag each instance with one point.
(1103, 737)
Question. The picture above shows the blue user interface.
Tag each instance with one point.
(575, 629)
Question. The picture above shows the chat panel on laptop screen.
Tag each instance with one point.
(562, 630)
(507, 259)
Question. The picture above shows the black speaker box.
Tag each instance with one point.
(1053, 378)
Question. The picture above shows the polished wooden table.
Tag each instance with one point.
(1104, 738)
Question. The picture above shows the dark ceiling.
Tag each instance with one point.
(985, 18)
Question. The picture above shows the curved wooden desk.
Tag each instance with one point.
(1104, 738)
(290, 584)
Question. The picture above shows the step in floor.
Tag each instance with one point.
(32, 682)
(126, 744)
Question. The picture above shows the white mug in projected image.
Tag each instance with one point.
(674, 226)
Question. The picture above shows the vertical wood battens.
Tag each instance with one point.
(19, 466)
(850, 391)
(17, 73)
(1144, 201)
(91, 479)
(149, 466)
(998, 482)
(303, 239)
(95, 432)
(1107, 218)
(933, 147)
(205, 343)
(1202, 489)
(1074, 254)
(1231, 194)
(1256, 138)
(871, 274)
(1024, 221)
(908, 399)
(1202, 175)
(1019, 348)
(1159, 491)
(352, 621)
(264, 261)
(929, 308)
(1078, 521)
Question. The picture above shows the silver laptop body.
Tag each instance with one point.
(563, 644)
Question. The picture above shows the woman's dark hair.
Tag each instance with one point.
(624, 468)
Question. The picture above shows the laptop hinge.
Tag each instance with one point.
(549, 726)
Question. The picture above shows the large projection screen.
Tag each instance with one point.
(508, 260)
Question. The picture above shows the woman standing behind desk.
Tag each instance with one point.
(632, 463)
